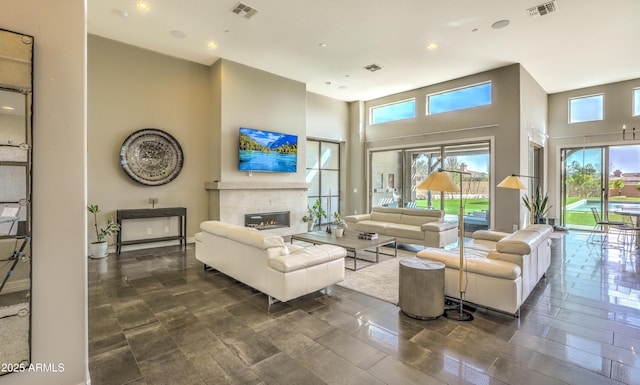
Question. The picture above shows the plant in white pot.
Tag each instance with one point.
(309, 220)
(99, 248)
(341, 225)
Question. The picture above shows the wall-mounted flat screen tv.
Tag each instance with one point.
(261, 150)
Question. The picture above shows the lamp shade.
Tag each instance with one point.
(513, 182)
(438, 181)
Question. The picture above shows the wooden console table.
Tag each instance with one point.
(165, 212)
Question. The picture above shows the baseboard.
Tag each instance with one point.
(150, 245)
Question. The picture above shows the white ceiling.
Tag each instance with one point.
(583, 43)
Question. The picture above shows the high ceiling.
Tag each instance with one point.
(325, 44)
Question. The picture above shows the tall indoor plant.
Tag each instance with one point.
(99, 248)
(540, 203)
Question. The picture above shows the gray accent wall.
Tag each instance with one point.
(130, 89)
(618, 98)
(501, 122)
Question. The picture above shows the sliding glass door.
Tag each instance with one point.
(583, 181)
(395, 175)
(473, 160)
(606, 178)
(386, 179)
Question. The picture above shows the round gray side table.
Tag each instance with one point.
(421, 288)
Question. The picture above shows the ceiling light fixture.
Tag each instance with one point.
(432, 46)
(178, 34)
(143, 6)
(322, 45)
(212, 45)
(8, 108)
(500, 24)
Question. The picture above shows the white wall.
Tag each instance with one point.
(59, 291)
(327, 118)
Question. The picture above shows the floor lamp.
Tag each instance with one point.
(513, 182)
(440, 181)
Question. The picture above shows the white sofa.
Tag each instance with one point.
(501, 269)
(416, 226)
(263, 261)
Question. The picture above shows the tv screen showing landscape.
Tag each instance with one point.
(261, 150)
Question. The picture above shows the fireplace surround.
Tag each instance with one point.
(266, 221)
(230, 201)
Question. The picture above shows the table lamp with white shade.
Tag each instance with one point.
(440, 181)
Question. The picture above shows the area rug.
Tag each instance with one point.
(378, 280)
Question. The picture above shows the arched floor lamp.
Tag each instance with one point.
(440, 181)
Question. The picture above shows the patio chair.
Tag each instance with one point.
(601, 226)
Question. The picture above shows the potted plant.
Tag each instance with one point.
(99, 248)
(540, 203)
(341, 225)
(316, 213)
(309, 219)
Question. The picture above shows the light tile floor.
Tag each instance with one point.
(155, 317)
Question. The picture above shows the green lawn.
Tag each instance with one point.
(579, 218)
(452, 206)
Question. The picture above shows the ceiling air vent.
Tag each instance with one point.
(244, 10)
(543, 9)
(372, 67)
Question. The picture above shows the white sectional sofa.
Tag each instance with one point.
(416, 226)
(263, 261)
(501, 269)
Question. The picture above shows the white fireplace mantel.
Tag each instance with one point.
(229, 201)
(215, 185)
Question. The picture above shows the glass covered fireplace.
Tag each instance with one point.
(265, 221)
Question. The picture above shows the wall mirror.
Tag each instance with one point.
(16, 64)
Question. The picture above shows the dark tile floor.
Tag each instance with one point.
(155, 317)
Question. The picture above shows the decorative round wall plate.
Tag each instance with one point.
(151, 157)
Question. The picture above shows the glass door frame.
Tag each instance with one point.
(330, 202)
(409, 178)
(603, 196)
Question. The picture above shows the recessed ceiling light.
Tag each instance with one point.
(8, 108)
(500, 24)
(432, 46)
(143, 6)
(178, 34)
(212, 45)
(322, 45)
